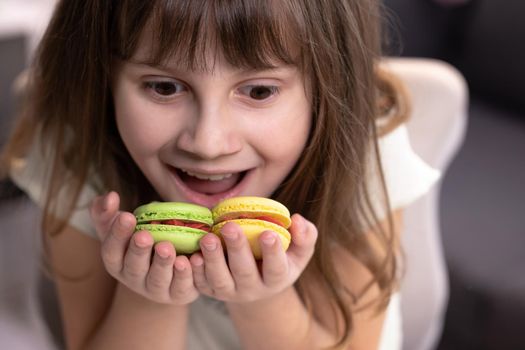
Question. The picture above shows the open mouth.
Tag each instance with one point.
(206, 189)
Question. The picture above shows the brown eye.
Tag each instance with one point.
(259, 92)
(165, 88)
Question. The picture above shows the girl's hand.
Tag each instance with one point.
(240, 280)
(167, 278)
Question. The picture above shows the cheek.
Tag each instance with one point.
(292, 133)
(289, 141)
(286, 138)
(133, 130)
(141, 134)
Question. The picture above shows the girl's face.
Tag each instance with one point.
(204, 136)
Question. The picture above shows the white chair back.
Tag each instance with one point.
(436, 130)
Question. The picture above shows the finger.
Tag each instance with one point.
(241, 262)
(160, 273)
(116, 242)
(182, 290)
(103, 212)
(275, 264)
(216, 269)
(199, 277)
(304, 235)
(137, 259)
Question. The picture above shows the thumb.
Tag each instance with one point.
(103, 211)
(304, 235)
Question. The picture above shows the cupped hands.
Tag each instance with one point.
(233, 275)
(154, 271)
(229, 273)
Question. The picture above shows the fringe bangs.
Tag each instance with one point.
(249, 34)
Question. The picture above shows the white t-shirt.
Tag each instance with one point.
(407, 178)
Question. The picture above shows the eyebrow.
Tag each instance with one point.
(239, 70)
(147, 63)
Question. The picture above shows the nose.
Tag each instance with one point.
(213, 134)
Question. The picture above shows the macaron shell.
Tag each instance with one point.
(184, 239)
(252, 229)
(173, 210)
(252, 207)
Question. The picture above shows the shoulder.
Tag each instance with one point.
(354, 273)
(407, 176)
(32, 174)
(435, 97)
(364, 296)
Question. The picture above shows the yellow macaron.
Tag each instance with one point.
(255, 215)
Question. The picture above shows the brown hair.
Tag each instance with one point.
(335, 43)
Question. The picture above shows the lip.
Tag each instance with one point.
(205, 200)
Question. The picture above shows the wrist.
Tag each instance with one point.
(281, 321)
(273, 301)
(141, 301)
(285, 307)
(134, 321)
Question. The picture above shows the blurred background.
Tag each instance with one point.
(482, 211)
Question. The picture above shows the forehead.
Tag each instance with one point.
(194, 35)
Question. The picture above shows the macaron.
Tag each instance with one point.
(182, 224)
(255, 215)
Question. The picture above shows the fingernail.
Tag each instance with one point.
(163, 253)
(125, 223)
(197, 260)
(269, 240)
(180, 266)
(299, 221)
(105, 202)
(230, 235)
(141, 242)
(210, 246)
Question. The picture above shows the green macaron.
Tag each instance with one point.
(182, 224)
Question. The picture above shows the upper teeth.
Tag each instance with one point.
(215, 177)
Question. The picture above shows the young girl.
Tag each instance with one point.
(196, 101)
